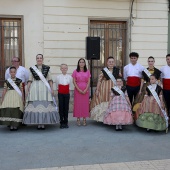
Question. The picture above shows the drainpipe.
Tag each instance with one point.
(169, 27)
(130, 30)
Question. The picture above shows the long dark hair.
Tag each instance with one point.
(78, 67)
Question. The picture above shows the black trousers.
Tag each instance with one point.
(132, 92)
(63, 100)
(166, 94)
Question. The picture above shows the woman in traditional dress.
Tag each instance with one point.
(40, 109)
(11, 112)
(149, 114)
(119, 110)
(81, 80)
(101, 97)
(145, 81)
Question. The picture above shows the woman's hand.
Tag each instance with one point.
(52, 92)
(26, 94)
(81, 92)
(97, 93)
(85, 91)
(162, 105)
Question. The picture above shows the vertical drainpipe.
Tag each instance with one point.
(130, 30)
(169, 27)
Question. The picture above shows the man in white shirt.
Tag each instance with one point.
(22, 72)
(165, 75)
(132, 76)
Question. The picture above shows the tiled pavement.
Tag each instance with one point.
(94, 147)
(139, 165)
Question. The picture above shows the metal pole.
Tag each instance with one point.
(91, 79)
(168, 28)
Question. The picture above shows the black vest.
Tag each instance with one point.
(17, 82)
(45, 70)
(158, 90)
(123, 88)
(115, 73)
(157, 73)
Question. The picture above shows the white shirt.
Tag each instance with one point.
(22, 73)
(133, 70)
(63, 80)
(165, 72)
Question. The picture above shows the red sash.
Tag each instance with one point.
(133, 81)
(63, 89)
(166, 84)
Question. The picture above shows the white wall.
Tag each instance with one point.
(58, 28)
(66, 26)
(150, 30)
(32, 12)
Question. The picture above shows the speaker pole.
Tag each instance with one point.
(91, 79)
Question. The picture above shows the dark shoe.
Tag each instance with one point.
(120, 127)
(39, 128)
(42, 127)
(66, 126)
(148, 130)
(117, 128)
(11, 128)
(15, 129)
(61, 126)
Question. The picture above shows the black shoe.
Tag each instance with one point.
(61, 126)
(43, 128)
(117, 128)
(66, 126)
(15, 129)
(148, 130)
(39, 128)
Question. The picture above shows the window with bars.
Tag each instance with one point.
(10, 43)
(112, 43)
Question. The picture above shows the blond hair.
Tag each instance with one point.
(63, 65)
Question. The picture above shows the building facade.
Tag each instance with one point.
(58, 28)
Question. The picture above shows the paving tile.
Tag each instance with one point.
(138, 165)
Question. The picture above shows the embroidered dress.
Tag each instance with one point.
(81, 101)
(118, 112)
(11, 111)
(99, 103)
(146, 79)
(149, 114)
(40, 108)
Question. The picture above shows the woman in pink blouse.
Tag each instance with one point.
(81, 80)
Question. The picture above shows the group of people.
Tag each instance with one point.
(36, 104)
(119, 99)
(140, 95)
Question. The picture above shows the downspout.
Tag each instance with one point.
(130, 30)
(169, 27)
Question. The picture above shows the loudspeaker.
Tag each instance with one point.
(93, 48)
